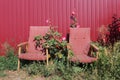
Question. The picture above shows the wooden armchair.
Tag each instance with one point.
(31, 52)
(79, 42)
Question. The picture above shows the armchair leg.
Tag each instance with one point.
(19, 51)
(47, 56)
(47, 62)
(18, 68)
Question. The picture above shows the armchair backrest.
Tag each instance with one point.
(35, 31)
(80, 40)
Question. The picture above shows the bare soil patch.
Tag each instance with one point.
(21, 75)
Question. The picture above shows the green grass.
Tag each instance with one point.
(2, 74)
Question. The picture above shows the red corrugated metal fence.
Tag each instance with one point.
(17, 15)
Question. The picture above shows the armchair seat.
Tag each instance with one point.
(83, 58)
(32, 56)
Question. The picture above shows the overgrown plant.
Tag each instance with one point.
(109, 51)
(111, 33)
(114, 30)
(108, 65)
(38, 40)
(56, 43)
(103, 35)
(73, 20)
(58, 70)
(9, 61)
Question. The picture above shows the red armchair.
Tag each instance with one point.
(31, 52)
(79, 41)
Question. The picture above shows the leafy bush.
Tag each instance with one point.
(57, 71)
(54, 42)
(107, 66)
(9, 61)
(34, 68)
(2, 63)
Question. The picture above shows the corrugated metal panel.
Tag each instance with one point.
(17, 15)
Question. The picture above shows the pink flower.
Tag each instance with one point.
(47, 21)
(78, 26)
(73, 13)
(63, 38)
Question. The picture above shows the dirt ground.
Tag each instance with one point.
(21, 75)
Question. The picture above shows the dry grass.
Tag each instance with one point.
(21, 75)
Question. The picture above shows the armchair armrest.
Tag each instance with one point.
(96, 48)
(22, 44)
(20, 47)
